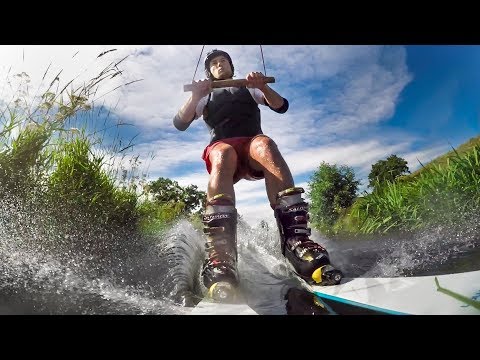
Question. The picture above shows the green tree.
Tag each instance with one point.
(388, 169)
(332, 189)
(169, 191)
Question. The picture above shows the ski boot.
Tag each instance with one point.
(220, 268)
(309, 259)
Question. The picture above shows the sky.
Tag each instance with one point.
(349, 104)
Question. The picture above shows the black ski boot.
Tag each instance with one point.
(309, 259)
(220, 268)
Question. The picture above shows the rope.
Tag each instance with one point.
(200, 57)
(198, 62)
(264, 70)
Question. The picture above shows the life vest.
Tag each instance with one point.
(232, 112)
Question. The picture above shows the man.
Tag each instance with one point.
(239, 150)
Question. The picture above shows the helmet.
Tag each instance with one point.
(210, 56)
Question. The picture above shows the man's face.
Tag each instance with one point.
(220, 68)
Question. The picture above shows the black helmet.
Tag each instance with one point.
(210, 56)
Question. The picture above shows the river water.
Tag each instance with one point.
(161, 277)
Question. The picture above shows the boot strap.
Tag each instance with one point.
(290, 191)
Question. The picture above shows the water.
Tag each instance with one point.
(161, 277)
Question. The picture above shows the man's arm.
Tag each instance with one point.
(187, 112)
(273, 100)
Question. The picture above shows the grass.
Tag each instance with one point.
(447, 192)
(443, 160)
(63, 176)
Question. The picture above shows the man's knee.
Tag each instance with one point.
(262, 145)
(222, 156)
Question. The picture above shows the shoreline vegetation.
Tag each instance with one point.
(68, 182)
(62, 176)
(443, 193)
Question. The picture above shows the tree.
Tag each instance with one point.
(165, 190)
(387, 170)
(332, 189)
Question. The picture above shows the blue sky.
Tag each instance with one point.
(349, 105)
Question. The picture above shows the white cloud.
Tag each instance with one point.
(169, 153)
(359, 85)
(424, 156)
(43, 63)
(200, 179)
(335, 94)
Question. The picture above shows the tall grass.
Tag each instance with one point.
(57, 177)
(447, 194)
(23, 158)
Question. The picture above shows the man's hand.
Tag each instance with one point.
(201, 88)
(255, 80)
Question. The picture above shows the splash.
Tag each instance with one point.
(43, 270)
(36, 278)
(438, 250)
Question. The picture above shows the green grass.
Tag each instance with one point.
(443, 159)
(56, 172)
(446, 193)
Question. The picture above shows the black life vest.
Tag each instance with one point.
(232, 112)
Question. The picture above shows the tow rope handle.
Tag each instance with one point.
(230, 83)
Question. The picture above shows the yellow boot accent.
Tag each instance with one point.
(211, 290)
(307, 257)
(219, 196)
(317, 275)
(222, 291)
(295, 190)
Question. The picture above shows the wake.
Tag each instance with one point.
(162, 276)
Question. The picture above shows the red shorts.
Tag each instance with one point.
(241, 146)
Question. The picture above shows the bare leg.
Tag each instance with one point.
(264, 155)
(309, 259)
(223, 158)
(220, 268)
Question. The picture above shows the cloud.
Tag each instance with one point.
(200, 179)
(336, 95)
(43, 64)
(355, 154)
(424, 156)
